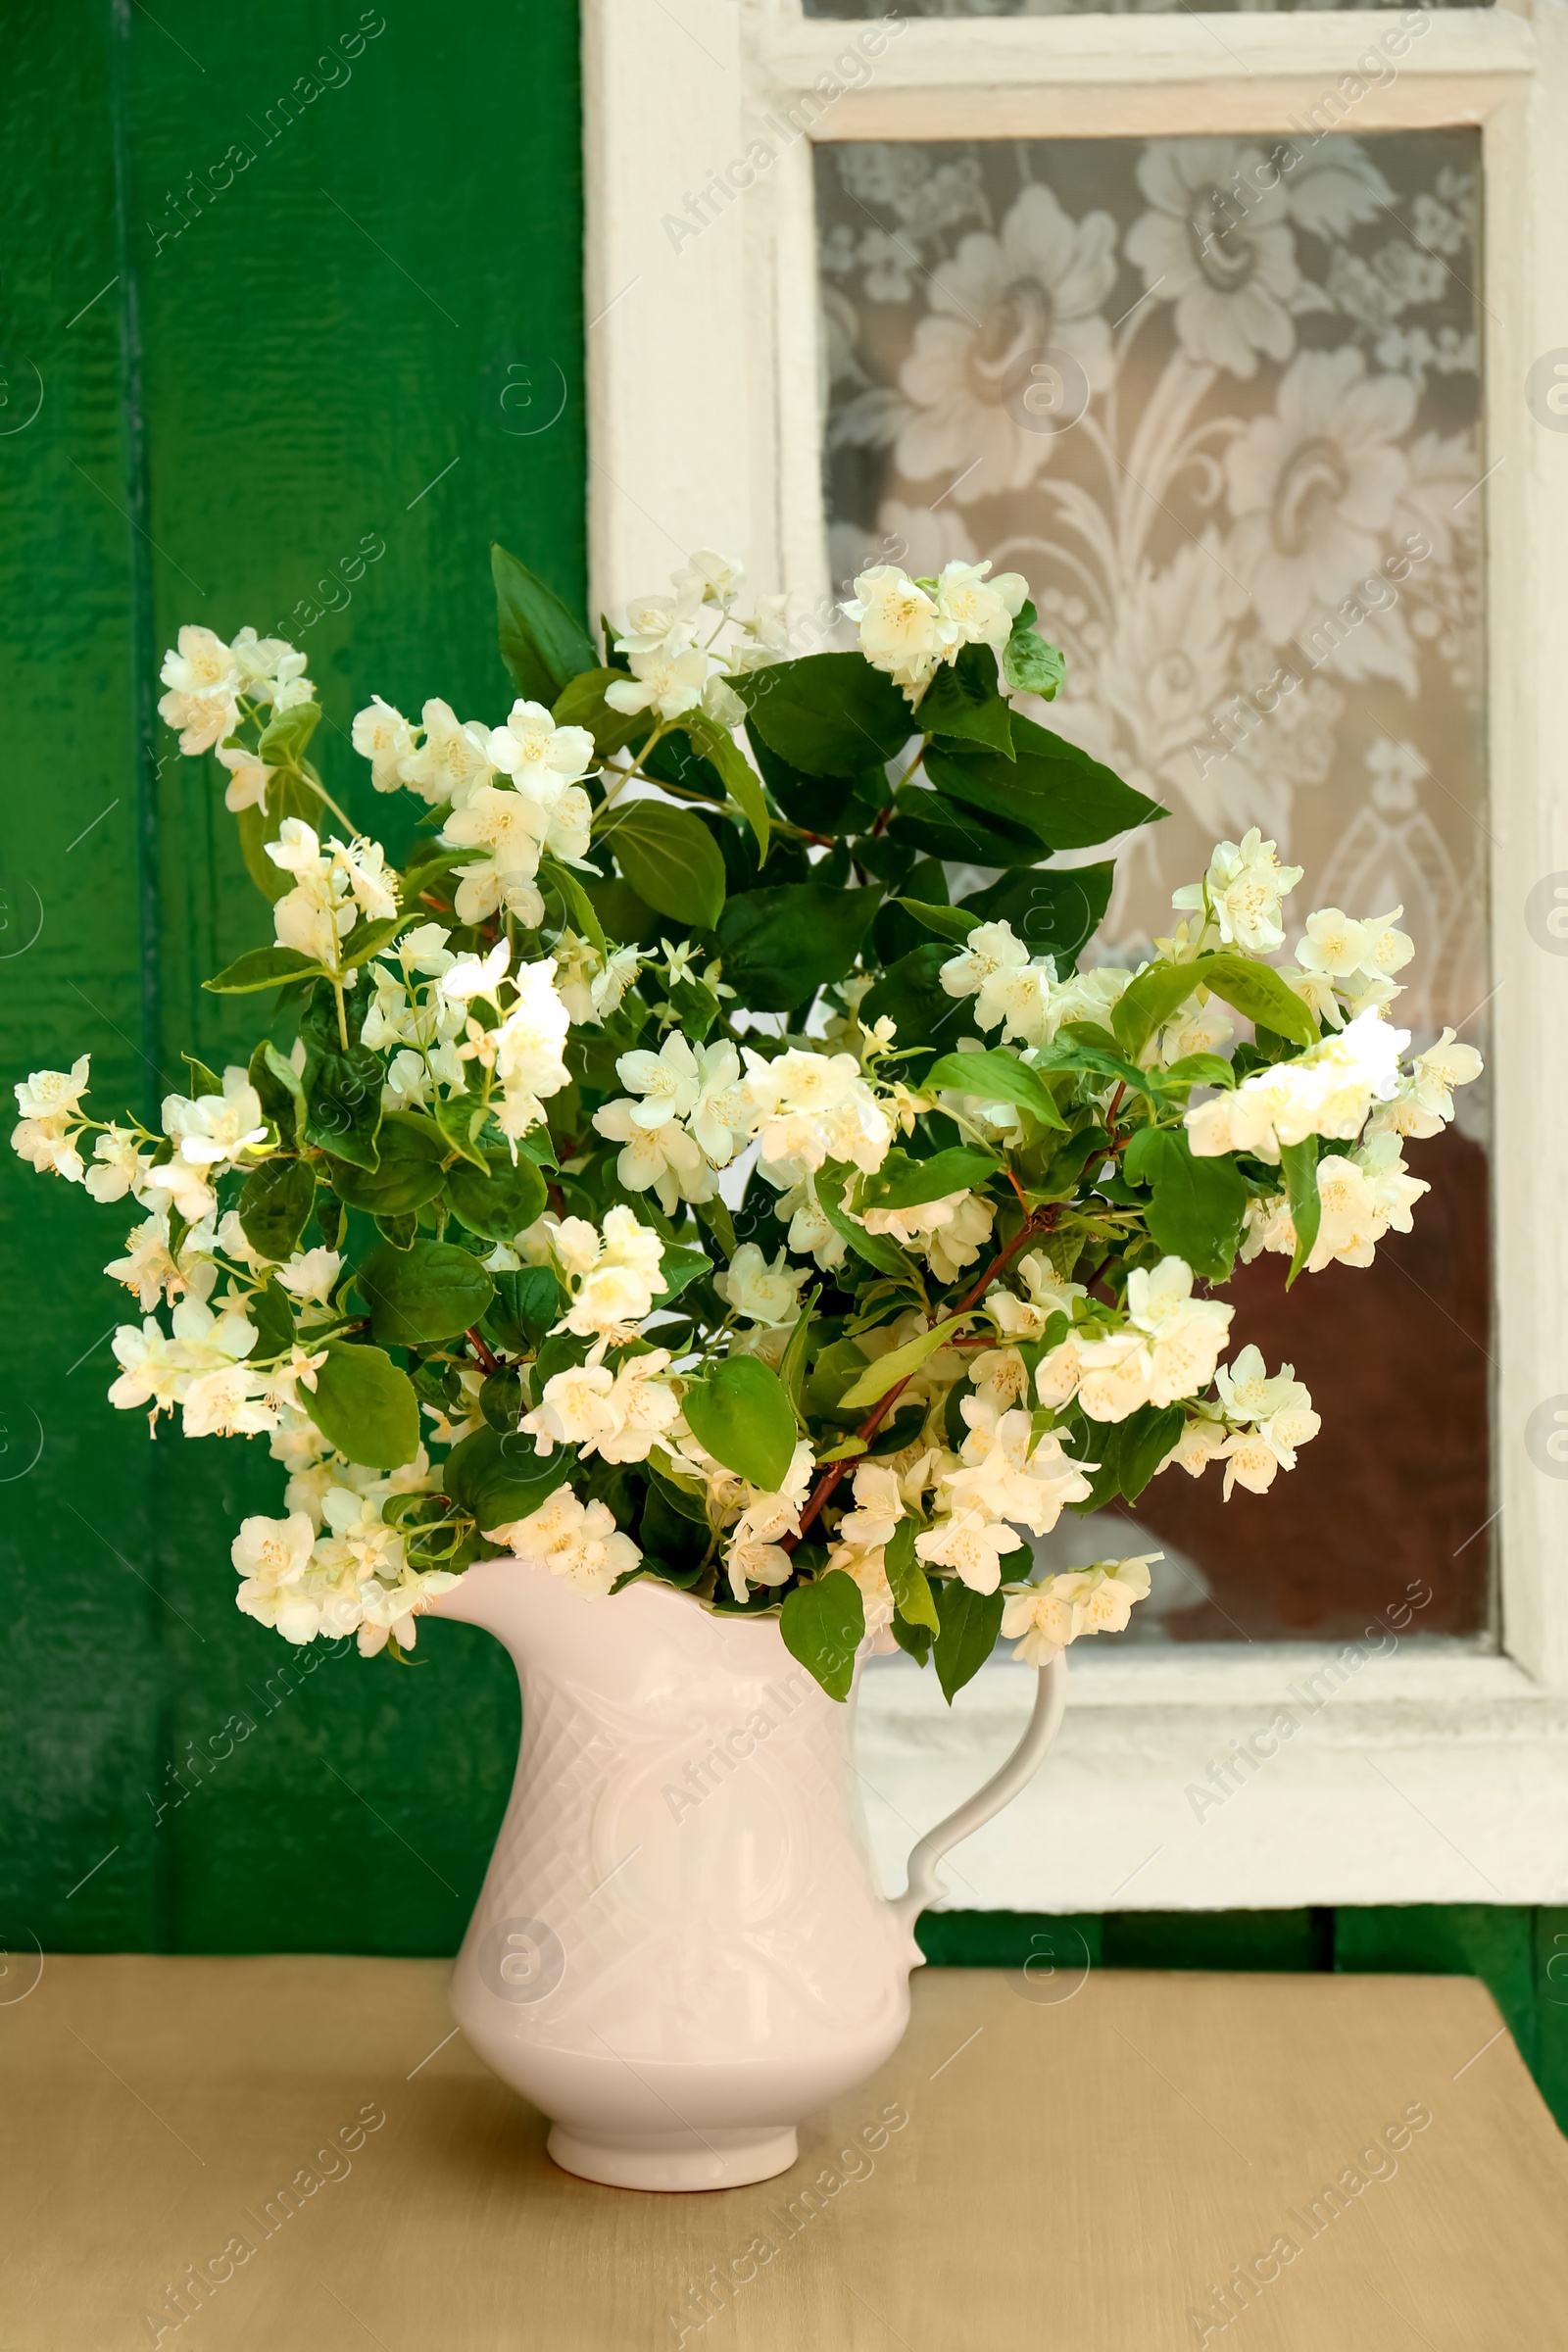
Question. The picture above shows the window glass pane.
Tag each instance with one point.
(1218, 400)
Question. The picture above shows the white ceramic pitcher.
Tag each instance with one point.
(680, 1947)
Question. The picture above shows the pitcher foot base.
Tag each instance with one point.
(719, 2158)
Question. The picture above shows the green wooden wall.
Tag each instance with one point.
(276, 292)
(361, 339)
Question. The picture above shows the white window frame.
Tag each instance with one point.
(1438, 1772)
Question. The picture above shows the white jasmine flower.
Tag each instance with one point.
(813, 1107)
(203, 679)
(148, 1268)
(271, 670)
(510, 829)
(725, 1112)
(663, 624)
(811, 1234)
(1001, 1379)
(756, 1555)
(1246, 883)
(976, 611)
(248, 778)
(1327, 1091)
(575, 1410)
(664, 1160)
(384, 737)
(668, 683)
(761, 1293)
(310, 1275)
(667, 1082)
(902, 628)
(572, 1539)
(214, 1131)
(57, 1094)
(470, 976)
(454, 760)
(152, 1370)
(947, 1232)
(1006, 1475)
(1086, 1600)
(541, 758)
(226, 1403)
(45, 1145)
(1186, 1335)
(1333, 944)
(1435, 1074)
(1248, 1393)
(1197, 1028)
(1201, 1442)
(1046, 1296)
(971, 1543)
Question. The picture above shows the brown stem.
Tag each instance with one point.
(868, 1428)
(490, 1362)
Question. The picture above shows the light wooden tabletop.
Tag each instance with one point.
(1077, 2164)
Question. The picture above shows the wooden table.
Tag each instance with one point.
(1070, 2164)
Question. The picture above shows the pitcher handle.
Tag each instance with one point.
(924, 1887)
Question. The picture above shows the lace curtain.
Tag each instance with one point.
(1219, 400)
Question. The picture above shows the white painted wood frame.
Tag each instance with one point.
(1434, 1771)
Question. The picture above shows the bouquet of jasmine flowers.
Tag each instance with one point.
(656, 1175)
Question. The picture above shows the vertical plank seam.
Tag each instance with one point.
(143, 716)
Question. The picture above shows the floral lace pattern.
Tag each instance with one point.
(1219, 400)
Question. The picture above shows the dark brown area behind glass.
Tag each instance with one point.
(1394, 1487)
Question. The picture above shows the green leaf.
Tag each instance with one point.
(1200, 1069)
(499, 1478)
(401, 1232)
(1257, 992)
(1151, 1000)
(959, 832)
(906, 1578)
(948, 922)
(741, 780)
(1072, 1051)
(263, 968)
(742, 1414)
(780, 946)
(501, 1398)
(582, 703)
(905, 1183)
(526, 1303)
(541, 644)
(273, 1203)
(344, 1095)
(792, 1367)
(830, 714)
(366, 1407)
(911, 996)
(621, 914)
(1074, 799)
(967, 1626)
(499, 1203)
(279, 1089)
(432, 1292)
(406, 1174)
(670, 860)
(1032, 664)
(1300, 1164)
(579, 905)
(460, 1118)
(677, 1268)
(878, 1249)
(1054, 911)
(825, 805)
(287, 795)
(888, 1370)
(369, 938)
(823, 1625)
(1198, 1206)
(272, 1311)
(284, 738)
(996, 1077)
(962, 702)
(203, 1081)
(714, 1214)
